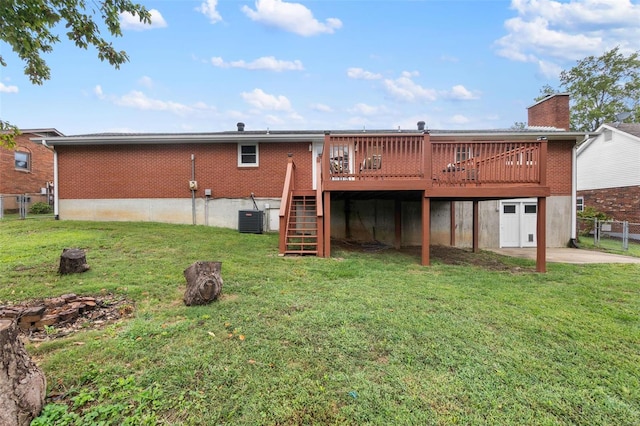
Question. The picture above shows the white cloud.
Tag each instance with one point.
(367, 110)
(321, 108)
(449, 58)
(263, 101)
(405, 89)
(263, 63)
(138, 100)
(360, 74)
(145, 81)
(459, 119)
(130, 22)
(208, 9)
(459, 92)
(98, 91)
(292, 17)
(550, 32)
(8, 89)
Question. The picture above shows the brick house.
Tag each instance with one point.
(608, 171)
(402, 188)
(27, 169)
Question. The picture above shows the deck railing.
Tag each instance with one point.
(485, 163)
(361, 157)
(411, 157)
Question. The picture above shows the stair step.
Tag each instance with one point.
(302, 229)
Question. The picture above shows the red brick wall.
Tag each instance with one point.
(553, 111)
(164, 171)
(14, 181)
(559, 155)
(619, 203)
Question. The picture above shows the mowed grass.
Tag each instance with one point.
(361, 338)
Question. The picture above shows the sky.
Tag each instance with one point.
(203, 66)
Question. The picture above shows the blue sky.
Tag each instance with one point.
(324, 64)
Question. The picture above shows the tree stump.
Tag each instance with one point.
(22, 383)
(73, 261)
(204, 283)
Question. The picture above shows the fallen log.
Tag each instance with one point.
(22, 383)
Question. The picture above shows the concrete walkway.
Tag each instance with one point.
(568, 255)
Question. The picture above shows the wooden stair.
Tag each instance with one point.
(302, 226)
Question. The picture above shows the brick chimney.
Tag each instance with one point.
(552, 111)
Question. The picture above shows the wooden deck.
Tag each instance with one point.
(453, 169)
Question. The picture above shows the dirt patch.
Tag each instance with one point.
(440, 254)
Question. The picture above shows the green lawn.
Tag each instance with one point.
(361, 338)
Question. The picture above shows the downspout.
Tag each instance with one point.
(193, 190)
(573, 242)
(56, 210)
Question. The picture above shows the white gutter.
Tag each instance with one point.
(55, 180)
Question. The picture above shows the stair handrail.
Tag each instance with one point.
(319, 184)
(285, 202)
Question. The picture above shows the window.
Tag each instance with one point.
(462, 153)
(340, 159)
(579, 204)
(248, 155)
(23, 160)
(530, 208)
(509, 208)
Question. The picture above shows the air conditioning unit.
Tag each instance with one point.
(250, 221)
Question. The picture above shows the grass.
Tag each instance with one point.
(611, 245)
(361, 338)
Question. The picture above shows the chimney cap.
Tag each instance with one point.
(421, 125)
(240, 127)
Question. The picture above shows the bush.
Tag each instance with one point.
(592, 213)
(40, 208)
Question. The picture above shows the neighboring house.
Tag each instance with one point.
(402, 188)
(609, 171)
(27, 169)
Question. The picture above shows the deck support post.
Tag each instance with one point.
(476, 227)
(426, 229)
(541, 233)
(327, 224)
(398, 222)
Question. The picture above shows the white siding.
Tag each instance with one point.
(609, 164)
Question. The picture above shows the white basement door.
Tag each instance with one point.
(518, 223)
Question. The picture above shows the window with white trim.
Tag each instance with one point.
(579, 204)
(463, 153)
(23, 161)
(248, 155)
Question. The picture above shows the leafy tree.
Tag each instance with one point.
(8, 134)
(545, 91)
(601, 87)
(29, 27)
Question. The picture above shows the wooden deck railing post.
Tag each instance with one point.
(543, 161)
(427, 155)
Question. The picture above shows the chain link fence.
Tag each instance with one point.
(23, 206)
(608, 233)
